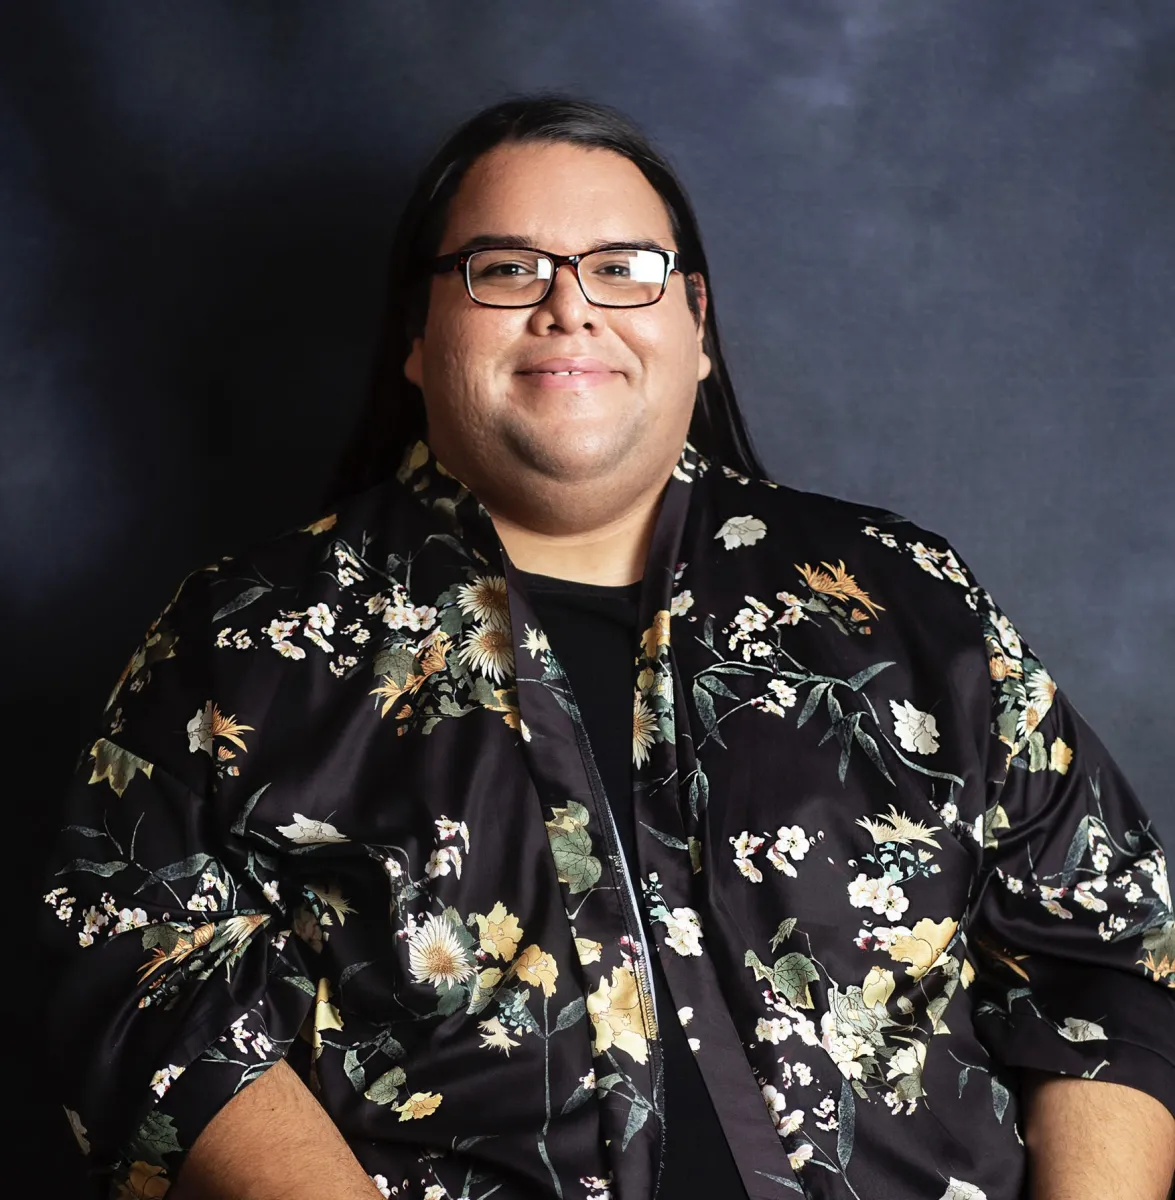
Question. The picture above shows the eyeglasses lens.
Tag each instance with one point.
(516, 278)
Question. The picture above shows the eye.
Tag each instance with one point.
(502, 270)
(613, 269)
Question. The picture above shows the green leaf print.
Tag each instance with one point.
(105, 869)
(116, 765)
(699, 792)
(846, 1117)
(574, 861)
(790, 978)
(396, 662)
(385, 1089)
(704, 703)
(858, 681)
(154, 1139)
(811, 704)
(571, 1014)
(784, 931)
(353, 1069)
(999, 1099)
(238, 602)
(638, 1114)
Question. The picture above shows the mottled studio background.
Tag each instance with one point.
(942, 235)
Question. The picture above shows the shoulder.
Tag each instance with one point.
(747, 511)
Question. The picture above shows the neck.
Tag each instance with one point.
(612, 552)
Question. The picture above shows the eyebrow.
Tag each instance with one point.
(520, 242)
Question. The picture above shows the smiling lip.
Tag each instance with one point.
(569, 373)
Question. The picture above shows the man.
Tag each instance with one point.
(568, 813)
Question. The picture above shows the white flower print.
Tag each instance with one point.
(907, 1060)
(306, 832)
(381, 1186)
(748, 870)
(319, 617)
(1075, 1030)
(784, 693)
(800, 1155)
(436, 956)
(535, 641)
(1008, 636)
(79, 1130)
(163, 1079)
(644, 730)
(130, 918)
(773, 1030)
(741, 531)
(958, 1190)
(746, 844)
(916, 730)
(685, 1015)
(487, 650)
(681, 604)
(685, 932)
(447, 830)
(439, 862)
(485, 599)
(864, 892)
(792, 840)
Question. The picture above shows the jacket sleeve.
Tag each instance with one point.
(165, 928)
(1072, 927)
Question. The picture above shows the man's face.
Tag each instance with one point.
(496, 417)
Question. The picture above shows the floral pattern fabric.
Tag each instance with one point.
(343, 810)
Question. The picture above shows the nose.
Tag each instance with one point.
(565, 307)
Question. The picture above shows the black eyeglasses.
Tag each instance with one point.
(509, 277)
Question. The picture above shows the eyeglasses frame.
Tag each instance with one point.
(459, 261)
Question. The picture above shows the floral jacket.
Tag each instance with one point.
(344, 810)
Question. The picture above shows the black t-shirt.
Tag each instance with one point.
(593, 632)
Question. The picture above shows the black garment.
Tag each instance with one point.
(593, 630)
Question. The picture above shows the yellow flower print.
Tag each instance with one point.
(1060, 756)
(657, 634)
(538, 968)
(419, 1105)
(496, 1036)
(146, 1181)
(588, 951)
(500, 932)
(210, 723)
(322, 525)
(923, 945)
(838, 583)
(966, 974)
(326, 1016)
(878, 987)
(644, 681)
(615, 1012)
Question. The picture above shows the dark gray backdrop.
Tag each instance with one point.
(942, 236)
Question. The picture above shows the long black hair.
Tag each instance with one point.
(394, 416)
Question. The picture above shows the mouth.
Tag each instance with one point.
(569, 373)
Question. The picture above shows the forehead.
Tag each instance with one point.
(564, 198)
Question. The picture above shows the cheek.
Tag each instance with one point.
(667, 348)
(467, 346)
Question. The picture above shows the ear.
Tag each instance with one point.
(414, 364)
(701, 299)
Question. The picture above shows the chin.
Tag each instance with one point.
(572, 458)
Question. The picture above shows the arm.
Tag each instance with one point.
(1074, 938)
(1088, 1138)
(272, 1141)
